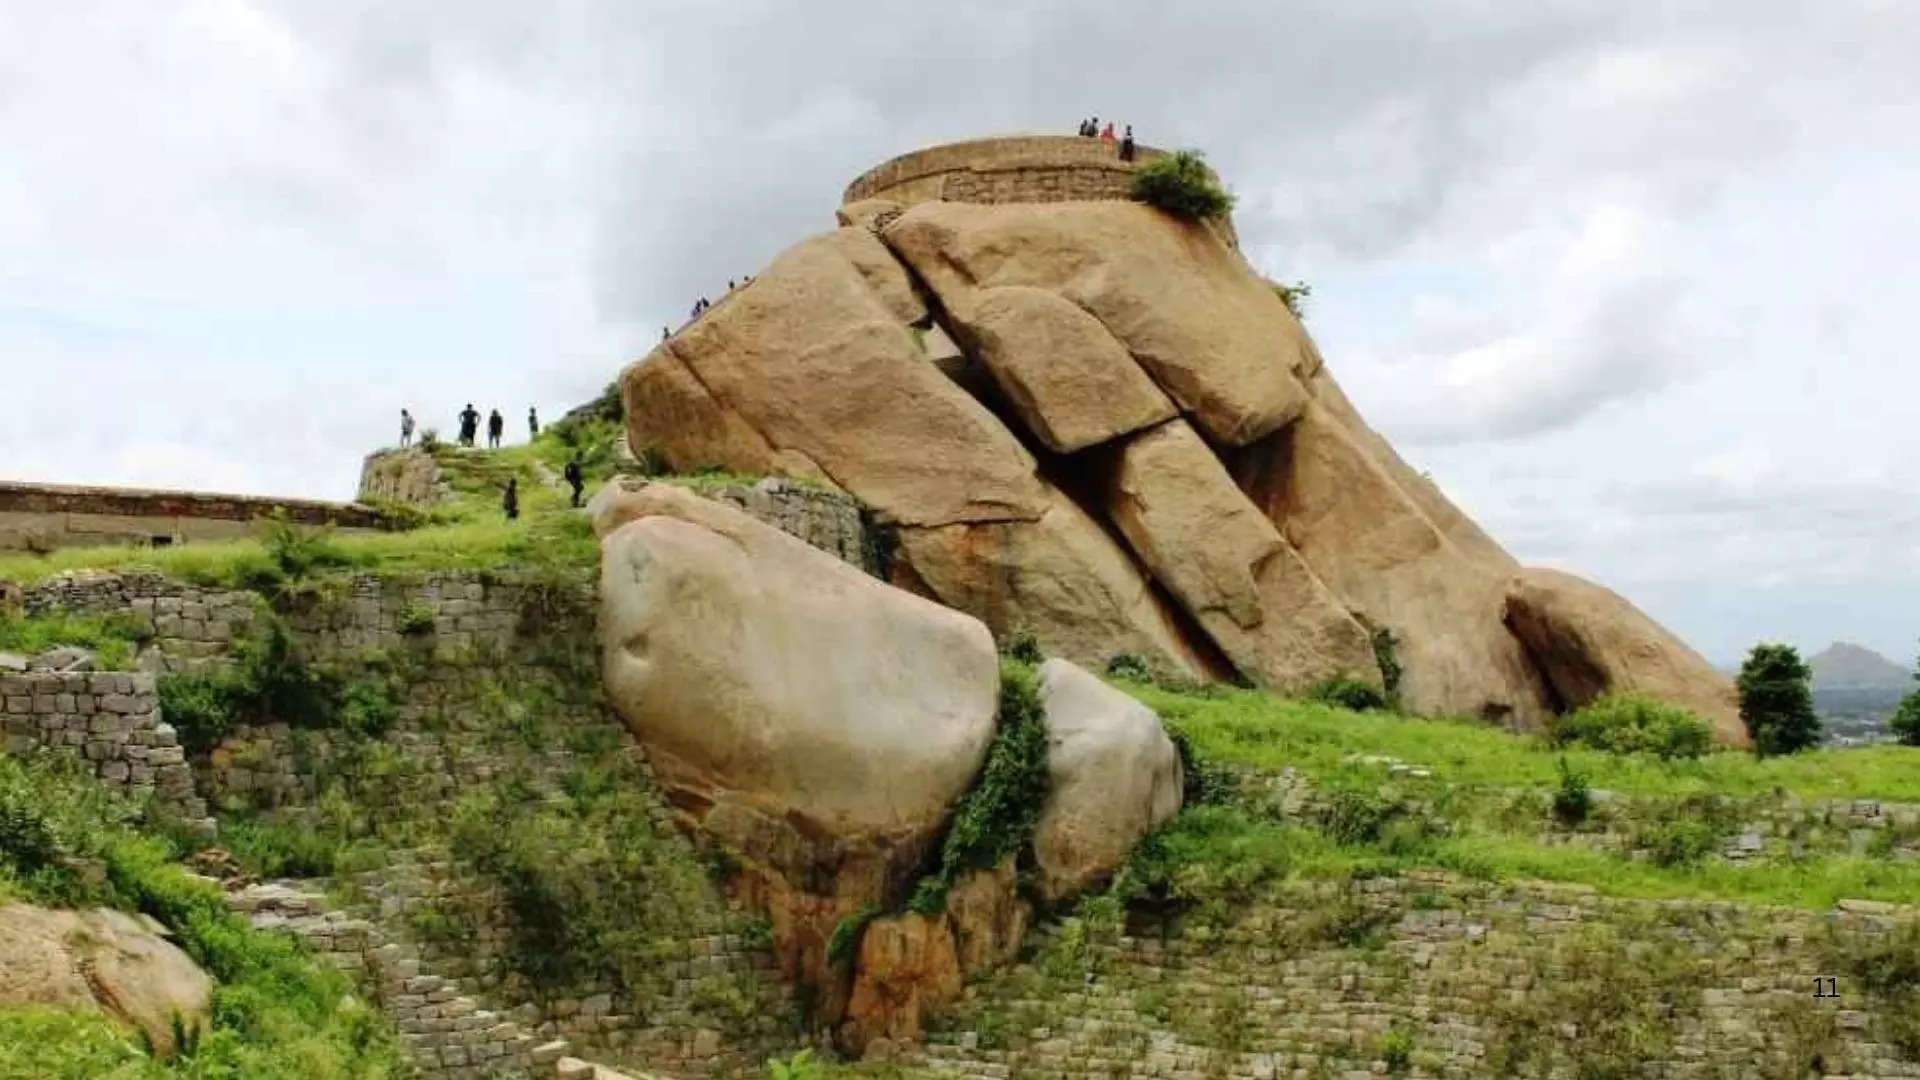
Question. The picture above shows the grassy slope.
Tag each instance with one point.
(1231, 851)
(277, 1011)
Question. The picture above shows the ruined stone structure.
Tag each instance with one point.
(1028, 168)
(42, 517)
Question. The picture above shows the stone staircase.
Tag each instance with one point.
(448, 1033)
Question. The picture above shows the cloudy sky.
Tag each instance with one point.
(1629, 278)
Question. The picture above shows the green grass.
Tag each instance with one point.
(277, 1011)
(112, 639)
(1266, 733)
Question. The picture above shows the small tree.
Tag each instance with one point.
(1906, 719)
(1180, 184)
(1294, 296)
(1776, 702)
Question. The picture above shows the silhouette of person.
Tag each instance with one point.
(406, 428)
(495, 425)
(729, 284)
(1093, 127)
(469, 424)
(663, 334)
(1106, 133)
(533, 423)
(1126, 145)
(576, 479)
(1082, 132)
(510, 502)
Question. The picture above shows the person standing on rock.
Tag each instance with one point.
(664, 334)
(1106, 134)
(495, 426)
(406, 428)
(469, 424)
(533, 424)
(1093, 128)
(510, 502)
(1126, 145)
(576, 478)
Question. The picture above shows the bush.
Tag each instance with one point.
(1631, 724)
(1206, 783)
(1023, 645)
(1348, 693)
(112, 638)
(1386, 654)
(845, 940)
(298, 551)
(1181, 184)
(1294, 296)
(1572, 800)
(996, 816)
(1776, 701)
(1685, 832)
(1396, 1049)
(1128, 665)
(415, 619)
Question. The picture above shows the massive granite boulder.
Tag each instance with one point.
(1589, 641)
(1113, 777)
(1127, 444)
(815, 721)
(101, 960)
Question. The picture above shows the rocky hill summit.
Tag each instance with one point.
(1094, 421)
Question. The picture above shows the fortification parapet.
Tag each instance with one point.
(1021, 168)
(41, 517)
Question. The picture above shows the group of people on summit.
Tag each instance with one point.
(470, 426)
(701, 305)
(1091, 129)
(496, 428)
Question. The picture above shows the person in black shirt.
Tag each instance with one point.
(576, 479)
(510, 502)
(495, 425)
(469, 424)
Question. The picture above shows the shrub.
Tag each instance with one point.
(1023, 645)
(1386, 654)
(1348, 693)
(1128, 665)
(800, 1066)
(996, 816)
(1683, 833)
(1396, 1049)
(429, 439)
(1294, 296)
(298, 551)
(415, 619)
(845, 940)
(1181, 184)
(1572, 800)
(1776, 701)
(1631, 724)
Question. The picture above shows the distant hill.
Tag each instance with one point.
(1843, 665)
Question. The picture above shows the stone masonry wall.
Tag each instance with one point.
(42, 517)
(1452, 970)
(112, 721)
(410, 476)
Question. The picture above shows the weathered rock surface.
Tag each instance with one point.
(1114, 777)
(811, 718)
(909, 964)
(815, 361)
(103, 960)
(1374, 547)
(1071, 382)
(1589, 641)
(1063, 578)
(1212, 334)
(1037, 472)
(1229, 568)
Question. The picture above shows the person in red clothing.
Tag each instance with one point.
(1106, 134)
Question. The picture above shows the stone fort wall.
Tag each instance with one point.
(1011, 169)
(1024, 168)
(42, 517)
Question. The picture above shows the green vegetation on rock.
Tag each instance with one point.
(113, 639)
(1631, 724)
(1181, 184)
